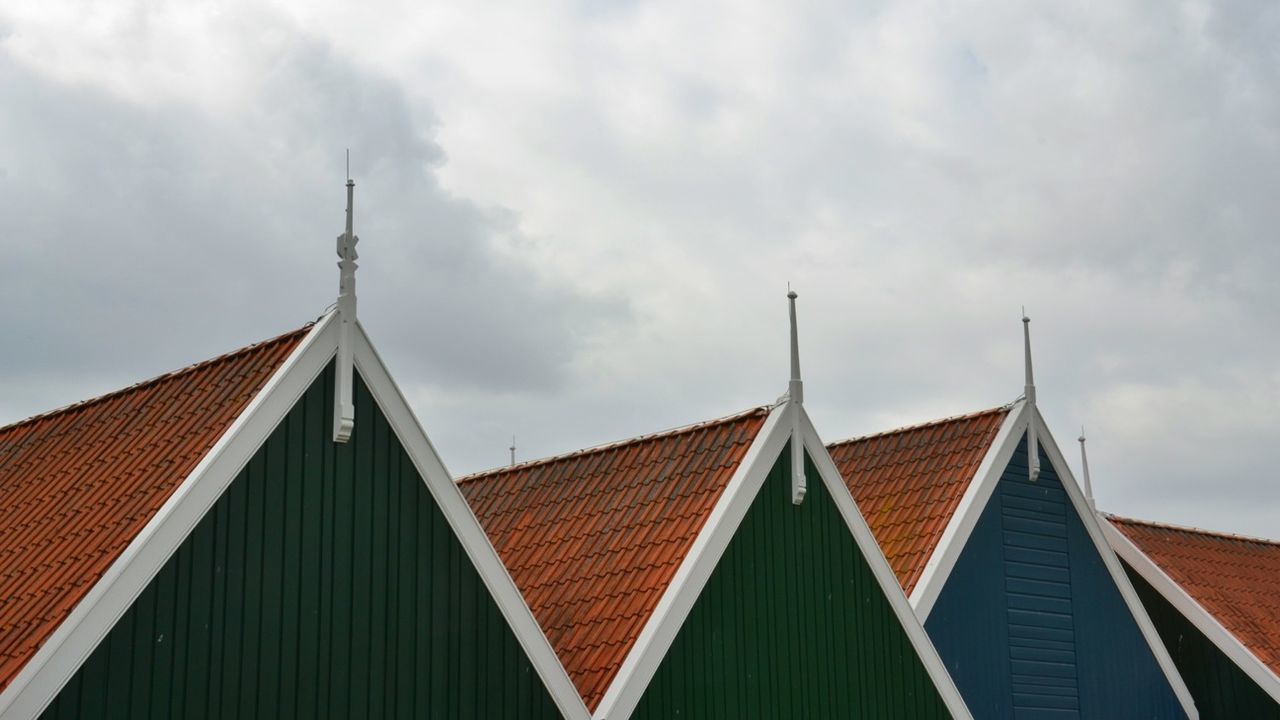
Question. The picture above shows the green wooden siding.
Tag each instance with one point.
(792, 623)
(1220, 688)
(325, 582)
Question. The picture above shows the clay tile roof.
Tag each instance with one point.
(77, 484)
(593, 538)
(908, 482)
(1236, 579)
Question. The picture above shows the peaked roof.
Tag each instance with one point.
(78, 484)
(1236, 579)
(593, 538)
(908, 482)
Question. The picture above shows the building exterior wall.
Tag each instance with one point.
(1220, 688)
(1031, 624)
(792, 623)
(325, 582)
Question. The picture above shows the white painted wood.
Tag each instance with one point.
(954, 537)
(884, 574)
(695, 570)
(1090, 521)
(344, 411)
(1193, 611)
(466, 527)
(68, 647)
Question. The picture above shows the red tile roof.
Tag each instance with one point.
(593, 538)
(908, 482)
(1235, 579)
(78, 484)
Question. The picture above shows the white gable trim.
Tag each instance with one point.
(884, 574)
(695, 571)
(466, 527)
(691, 577)
(1193, 611)
(72, 642)
(956, 534)
(1090, 520)
(76, 638)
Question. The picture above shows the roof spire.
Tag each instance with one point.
(344, 409)
(795, 397)
(1084, 464)
(795, 388)
(1029, 391)
(513, 450)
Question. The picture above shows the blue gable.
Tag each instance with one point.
(1031, 624)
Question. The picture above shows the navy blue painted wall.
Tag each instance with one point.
(1030, 623)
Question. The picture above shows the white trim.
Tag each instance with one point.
(1091, 525)
(466, 527)
(1193, 611)
(884, 574)
(72, 642)
(695, 570)
(965, 518)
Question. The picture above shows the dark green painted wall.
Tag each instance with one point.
(1220, 688)
(324, 583)
(792, 624)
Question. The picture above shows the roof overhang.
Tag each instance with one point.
(1193, 611)
(695, 570)
(943, 559)
(70, 645)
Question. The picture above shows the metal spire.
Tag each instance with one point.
(1029, 391)
(344, 409)
(795, 397)
(1084, 464)
(513, 450)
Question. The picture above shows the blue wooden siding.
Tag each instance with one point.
(325, 582)
(1031, 624)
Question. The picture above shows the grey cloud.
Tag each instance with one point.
(144, 237)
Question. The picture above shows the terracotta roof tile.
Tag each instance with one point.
(1235, 579)
(79, 483)
(908, 482)
(593, 538)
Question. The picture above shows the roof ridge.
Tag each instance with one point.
(224, 357)
(923, 425)
(1190, 529)
(614, 445)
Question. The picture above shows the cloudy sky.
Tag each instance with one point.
(578, 221)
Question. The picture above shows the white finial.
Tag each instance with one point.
(1084, 465)
(513, 450)
(343, 407)
(795, 398)
(1029, 390)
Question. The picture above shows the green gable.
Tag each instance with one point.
(325, 582)
(792, 623)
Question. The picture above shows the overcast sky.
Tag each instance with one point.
(578, 221)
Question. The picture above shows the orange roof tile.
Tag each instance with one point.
(908, 482)
(593, 538)
(79, 483)
(1235, 579)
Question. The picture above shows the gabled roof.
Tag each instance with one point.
(78, 484)
(95, 498)
(908, 482)
(593, 538)
(1233, 579)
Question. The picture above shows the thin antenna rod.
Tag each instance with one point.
(1029, 390)
(513, 450)
(1084, 465)
(795, 401)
